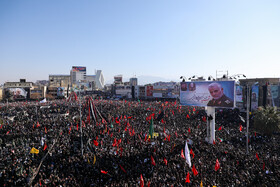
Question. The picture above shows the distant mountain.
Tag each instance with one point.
(142, 80)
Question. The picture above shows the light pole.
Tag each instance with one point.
(249, 87)
(248, 103)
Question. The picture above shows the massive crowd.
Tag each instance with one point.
(117, 150)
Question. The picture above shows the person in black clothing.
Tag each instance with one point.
(218, 97)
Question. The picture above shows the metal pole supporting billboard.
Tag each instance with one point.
(211, 112)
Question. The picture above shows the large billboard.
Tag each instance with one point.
(208, 93)
(275, 94)
(60, 92)
(15, 93)
(255, 97)
(239, 95)
(78, 68)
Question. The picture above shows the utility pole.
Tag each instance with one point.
(248, 103)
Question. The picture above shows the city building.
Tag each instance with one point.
(266, 89)
(78, 74)
(99, 80)
(165, 89)
(59, 80)
(38, 92)
(1, 94)
(17, 90)
(133, 81)
(123, 91)
(118, 79)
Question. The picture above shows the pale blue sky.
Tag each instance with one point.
(161, 38)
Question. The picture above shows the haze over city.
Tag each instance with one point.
(161, 39)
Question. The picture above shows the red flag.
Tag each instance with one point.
(182, 154)
(189, 130)
(8, 132)
(240, 128)
(220, 128)
(141, 181)
(119, 141)
(104, 172)
(188, 178)
(77, 127)
(257, 156)
(122, 168)
(115, 142)
(204, 118)
(194, 171)
(145, 137)
(263, 166)
(193, 109)
(165, 161)
(191, 152)
(217, 165)
(153, 161)
(45, 147)
(168, 137)
(95, 142)
(214, 142)
(188, 117)
(148, 183)
(38, 124)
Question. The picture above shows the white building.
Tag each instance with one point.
(77, 74)
(99, 80)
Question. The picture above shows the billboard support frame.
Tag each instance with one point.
(211, 123)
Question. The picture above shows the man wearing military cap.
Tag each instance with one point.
(218, 96)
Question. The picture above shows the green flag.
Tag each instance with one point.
(151, 131)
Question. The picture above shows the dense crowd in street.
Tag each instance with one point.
(117, 150)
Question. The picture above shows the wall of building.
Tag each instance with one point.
(1, 94)
(59, 80)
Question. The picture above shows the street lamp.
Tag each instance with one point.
(211, 78)
(183, 78)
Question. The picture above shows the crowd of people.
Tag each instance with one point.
(114, 146)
